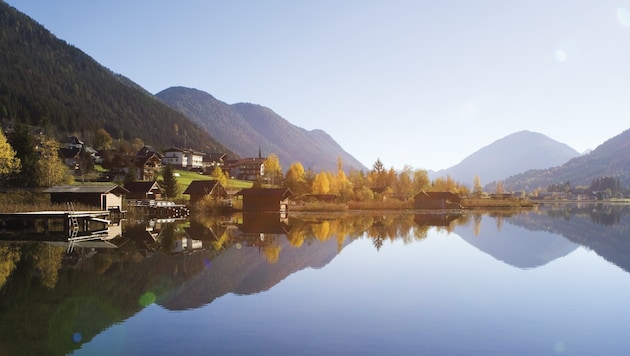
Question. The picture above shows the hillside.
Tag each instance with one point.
(245, 128)
(513, 154)
(48, 83)
(610, 159)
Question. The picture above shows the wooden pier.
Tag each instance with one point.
(62, 224)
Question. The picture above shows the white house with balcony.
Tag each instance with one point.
(183, 158)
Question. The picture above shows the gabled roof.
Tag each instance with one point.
(184, 150)
(148, 151)
(246, 162)
(197, 187)
(69, 152)
(270, 193)
(72, 140)
(140, 161)
(214, 157)
(437, 195)
(88, 189)
(141, 186)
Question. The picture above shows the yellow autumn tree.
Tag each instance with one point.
(294, 178)
(218, 174)
(50, 168)
(273, 169)
(421, 181)
(8, 162)
(321, 183)
(9, 257)
(47, 263)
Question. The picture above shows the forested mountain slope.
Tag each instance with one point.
(46, 82)
(610, 159)
(245, 128)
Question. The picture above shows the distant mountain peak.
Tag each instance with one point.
(509, 155)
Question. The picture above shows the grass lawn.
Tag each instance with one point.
(186, 177)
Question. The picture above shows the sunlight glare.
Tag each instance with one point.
(561, 56)
(623, 15)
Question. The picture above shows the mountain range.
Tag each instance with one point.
(48, 83)
(610, 159)
(245, 128)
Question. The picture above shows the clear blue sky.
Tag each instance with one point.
(422, 83)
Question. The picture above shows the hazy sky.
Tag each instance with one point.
(422, 83)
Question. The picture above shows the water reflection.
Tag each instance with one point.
(187, 264)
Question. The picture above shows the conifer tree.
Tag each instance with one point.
(169, 182)
(24, 146)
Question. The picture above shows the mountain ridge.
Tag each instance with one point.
(609, 159)
(246, 127)
(509, 155)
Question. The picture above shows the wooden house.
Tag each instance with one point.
(143, 190)
(198, 189)
(144, 168)
(266, 199)
(104, 197)
(437, 200)
(71, 156)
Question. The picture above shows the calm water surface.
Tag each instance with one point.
(553, 281)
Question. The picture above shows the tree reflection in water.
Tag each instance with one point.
(185, 264)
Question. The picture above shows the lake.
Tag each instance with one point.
(551, 281)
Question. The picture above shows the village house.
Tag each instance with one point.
(70, 151)
(104, 197)
(71, 156)
(437, 200)
(212, 160)
(139, 167)
(145, 165)
(247, 168)
(143, 190)
(266, 199)
(183, 158)
(199, 189)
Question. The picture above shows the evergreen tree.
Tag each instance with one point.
(169, 182)
(24, 146)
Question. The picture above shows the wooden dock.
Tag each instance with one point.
(62, 224)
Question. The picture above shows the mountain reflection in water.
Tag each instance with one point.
(48, 295)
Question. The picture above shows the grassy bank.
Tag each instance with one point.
(23, 201)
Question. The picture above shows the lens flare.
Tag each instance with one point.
(561, 56)
(623, 15)
(77, 337)
(147, 299)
